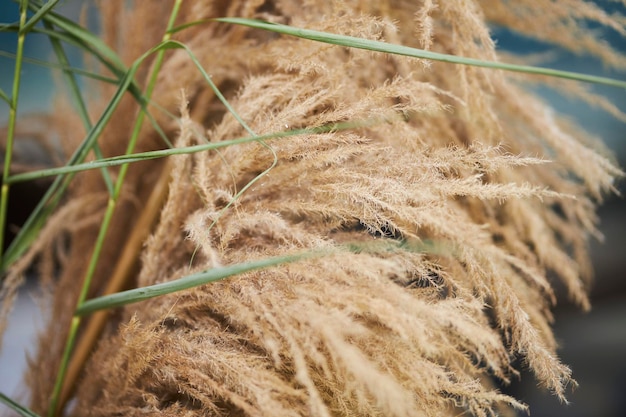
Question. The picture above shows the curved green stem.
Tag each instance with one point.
(4, 199)
(81, 107)
(379, 46)
(71, 339)
(163, 153)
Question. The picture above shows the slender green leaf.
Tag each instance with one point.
(81, 107)
(18, 408)
(39, 15)
(54, 65)
(205, 277)
(190, 281)
(44, 208)
(76, 35)
(71, 39)
(143, 156)
(5, 97)
(82, 35)
(379, 46)
(9, 27)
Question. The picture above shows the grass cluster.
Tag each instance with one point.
(139, 81)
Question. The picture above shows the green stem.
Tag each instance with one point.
(379, 46)
(4, 199)
(190, 281)
(162, 153)
(78, 99)
(71, 339)
(39, 14)
(18, 408)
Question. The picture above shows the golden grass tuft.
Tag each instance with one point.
(462, 157)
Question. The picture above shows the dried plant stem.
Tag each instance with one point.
(55, 404)
(62, 67)
(122, 274)
(12, 119)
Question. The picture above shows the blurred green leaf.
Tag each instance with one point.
(5, 97)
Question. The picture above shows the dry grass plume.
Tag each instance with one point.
(463, 157)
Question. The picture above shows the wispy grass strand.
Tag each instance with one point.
(18, 408)
(13, 103)
(189, 281)
(379, 46)
(145, 156)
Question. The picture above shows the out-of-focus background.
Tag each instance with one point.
(593, 344)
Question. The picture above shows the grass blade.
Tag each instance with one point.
(379, 46)
(140, 294)
(53, 65)
(143, 156)
(78, 100)
(83, 37)
(13, 103)
(190, 281)
(18, 408)
(46, 8)
(62, 389)
(5, 97)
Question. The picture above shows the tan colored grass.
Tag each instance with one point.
(465, 157)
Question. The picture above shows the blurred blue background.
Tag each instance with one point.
(593, 344)
(37, 85)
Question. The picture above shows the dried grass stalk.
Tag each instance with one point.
(465, 157)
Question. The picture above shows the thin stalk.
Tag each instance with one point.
(78, 99)
(163, 153)
(122, 274)
(46, 8)
(52, 65)
(440, 248)
(55, 404)
(18, 408)
(379, 46)
(190, 281)
(47, 204)
(4, 199)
